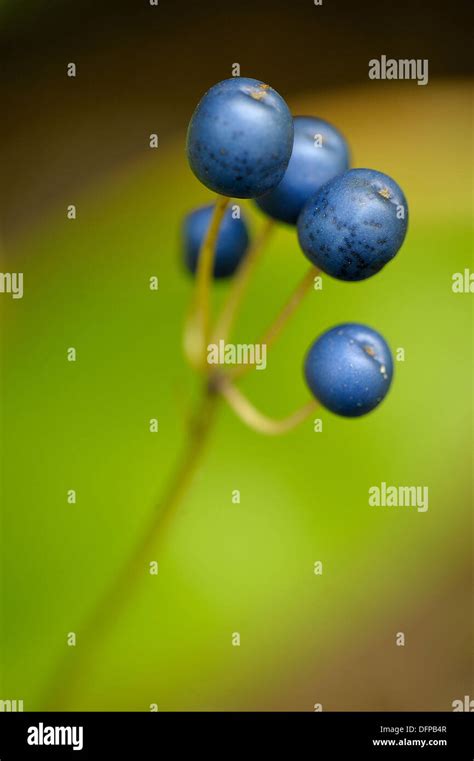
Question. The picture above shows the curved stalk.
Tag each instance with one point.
(272, 333)
(240, 282)
(69, 672)
(196, 332)
(257, 420)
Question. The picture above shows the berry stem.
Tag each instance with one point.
(257, 420)
(272, 333)
(70, 672)
(196, 332)
(240, 283)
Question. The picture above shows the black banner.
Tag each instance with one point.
(151, 735)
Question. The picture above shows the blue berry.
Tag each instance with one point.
(232, 241)
(349, 369)
(354, 224)
(240, 138)
(319, 153)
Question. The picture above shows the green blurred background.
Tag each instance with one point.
(227, 568)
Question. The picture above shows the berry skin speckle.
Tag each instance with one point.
(232, 242)
(240, 138)
(319, 154)
(365, 229)
(349, 369)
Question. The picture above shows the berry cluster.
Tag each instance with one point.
(244, 143)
